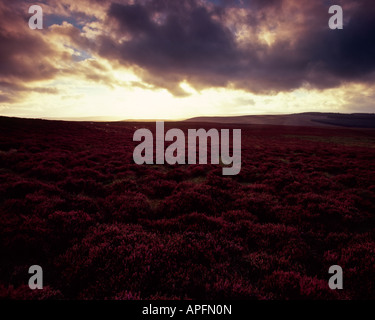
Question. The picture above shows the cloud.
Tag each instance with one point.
(258, 46)
(23, 54)
(200, 44)
(188, 45)
(30, 60)
(26, 58)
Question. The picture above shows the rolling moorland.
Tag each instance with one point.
(307, 119)
(73, 201)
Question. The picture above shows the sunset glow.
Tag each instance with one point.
(139, 60)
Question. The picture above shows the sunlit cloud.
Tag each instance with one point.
(174, 60)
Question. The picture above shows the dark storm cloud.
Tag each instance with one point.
(198, 44)
(22, 53)
(23, 57)
(183, 45)
(216, 43)
(351, 53)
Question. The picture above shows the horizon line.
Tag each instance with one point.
(118, 119)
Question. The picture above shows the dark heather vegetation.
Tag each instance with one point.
(73, 201)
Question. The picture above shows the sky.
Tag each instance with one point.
(169, 59)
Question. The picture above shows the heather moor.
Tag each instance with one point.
(175, 152)
(103, 227)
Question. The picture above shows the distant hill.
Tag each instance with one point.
(307, 119)
(312, 119)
